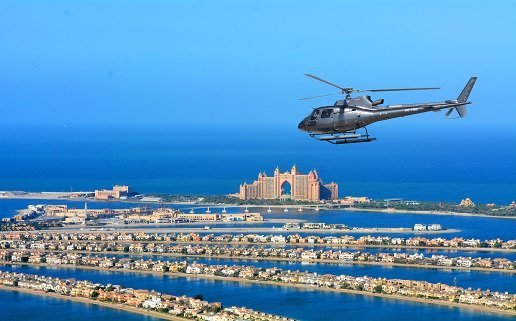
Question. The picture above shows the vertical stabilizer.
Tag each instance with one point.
(463, 97)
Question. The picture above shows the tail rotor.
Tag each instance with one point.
(462, 99)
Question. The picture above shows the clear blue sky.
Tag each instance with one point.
(109, 62)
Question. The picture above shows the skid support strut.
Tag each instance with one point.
(348, 137)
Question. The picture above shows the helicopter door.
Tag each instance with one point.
(327, 118)
(351, 116)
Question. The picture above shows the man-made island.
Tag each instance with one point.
(61, 217)
(320, 197)
(237, 228)
(156, 304)
(37, 247)
(410, 290)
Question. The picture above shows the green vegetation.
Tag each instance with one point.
(485, 209)
(95, 294)
(270, 202)
(377, 289)
(224, 199)
(215, 308)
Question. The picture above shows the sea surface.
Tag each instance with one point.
(442, 161)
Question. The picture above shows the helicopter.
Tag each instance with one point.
(341, 122)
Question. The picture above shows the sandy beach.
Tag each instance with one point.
(203, 224)
(299, 286)
(386, 230)
(41, 195)
(110, 305)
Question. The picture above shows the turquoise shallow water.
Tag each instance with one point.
(297, 303)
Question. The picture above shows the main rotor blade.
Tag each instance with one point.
(327, 82)
(397, 89)
(306, 98)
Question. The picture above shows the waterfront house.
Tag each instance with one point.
(464, 262)
(106, 263)
(194, 269)
(36, 258)
(471, 243)
(309, 255)
(151, 303)
(348, 256)
(445, 262)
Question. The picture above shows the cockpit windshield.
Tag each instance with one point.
(314, 115)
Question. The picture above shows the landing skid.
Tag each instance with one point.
(348, 137)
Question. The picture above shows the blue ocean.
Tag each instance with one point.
(438, 161)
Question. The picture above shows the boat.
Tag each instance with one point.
(208, 211)
(317, 208)
(285, 209)
(269, 210)
(246, 210)
(192, 211)
(300, 209)
(224, 210)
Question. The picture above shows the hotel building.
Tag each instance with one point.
(289, 185)
(117, 192)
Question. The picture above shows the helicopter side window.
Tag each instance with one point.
(326, 113)
(315, 114)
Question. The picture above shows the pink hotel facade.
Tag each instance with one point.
(290, 185)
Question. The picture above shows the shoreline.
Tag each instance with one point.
(122, 307)
(290, 285)
(284, 260)
(200, 223)
(302, 245)
(62, 196)
(386, 230)
(398, 211)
